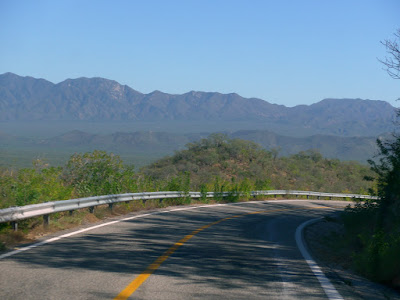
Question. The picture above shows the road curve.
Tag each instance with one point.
(236, 251)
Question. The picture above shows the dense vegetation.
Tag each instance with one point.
(213, 164)
(95, 173)
(373, 228)
(231, 162)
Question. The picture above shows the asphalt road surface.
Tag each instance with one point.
(241, 251)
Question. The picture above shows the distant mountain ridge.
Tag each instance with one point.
(163, 143)
(89, 99)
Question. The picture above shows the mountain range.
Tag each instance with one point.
(97, 99)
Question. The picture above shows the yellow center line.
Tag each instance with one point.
(138, 281)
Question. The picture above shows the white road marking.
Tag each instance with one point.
(327, 286)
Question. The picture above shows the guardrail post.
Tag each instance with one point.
(318, 197)
(308, 196)
(110, 206)
(46, 219)
(14, 225)
(91, 209)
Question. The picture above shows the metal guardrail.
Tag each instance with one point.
(14, 214)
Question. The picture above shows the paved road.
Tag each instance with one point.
(246, 251)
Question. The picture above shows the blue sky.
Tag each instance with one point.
(285, 52)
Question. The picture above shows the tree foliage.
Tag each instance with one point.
(32, 185)
(375, 226)
(97, 173)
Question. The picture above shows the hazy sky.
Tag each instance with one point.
(285, 52)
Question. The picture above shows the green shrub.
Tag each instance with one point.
(203, 191)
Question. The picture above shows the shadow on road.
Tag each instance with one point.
(254, 255)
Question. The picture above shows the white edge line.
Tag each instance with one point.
(326, 285)
(74, 233)
(50, 240)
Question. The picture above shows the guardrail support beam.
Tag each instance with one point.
(110, 206)
(14, 225)
(91, 209)
(46, 219)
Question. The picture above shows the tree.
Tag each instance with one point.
(392, 62)
(377, 225)
(388, 168)
(388, 173)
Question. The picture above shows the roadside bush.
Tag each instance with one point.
(98, 173)
(378, 258)
(30, 186)
(203, 191)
